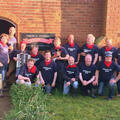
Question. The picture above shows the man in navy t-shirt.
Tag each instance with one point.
(87, 76)
(108, 48)
(73, 48)
(60, 56)
(28, 73)
(48, 72)
(71, 77)
(36, 55)
(117, 60)
(105, 75)
(90, 48)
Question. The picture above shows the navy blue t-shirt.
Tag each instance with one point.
(71, 73)
(47, 72)
(73, 51)
(38, 58)
(117, 55)
(87, 50)
(24, 72)
(87, 71)
(107, 73)
(102, 52)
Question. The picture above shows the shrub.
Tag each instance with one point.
(29, 103)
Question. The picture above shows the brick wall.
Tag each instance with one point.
(62, 17)
(113, 21)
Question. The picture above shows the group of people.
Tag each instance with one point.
(68, 67)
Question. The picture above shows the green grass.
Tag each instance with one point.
(82, 108)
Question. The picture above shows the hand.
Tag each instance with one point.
(85, 83)
(95, 82)
(53, 84)
(28, 79)
(10, 47)
(68, 84)
(59, 58)
(83, 53)
(38, 82)
(76, 63)
(1, 64)
(112, 81)
(73, 79)
(15, 58)
(42, 82)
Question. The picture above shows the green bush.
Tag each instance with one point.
(29, 103)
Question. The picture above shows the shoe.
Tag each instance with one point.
(108, 98)
(118, 95)
(93, 96)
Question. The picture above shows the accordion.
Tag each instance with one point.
(22, 59)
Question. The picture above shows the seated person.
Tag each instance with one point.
(48, 72)
(28, 73)
(73, 48)
(87, 76)
(71, 77)
(36, 55)
(105, 75)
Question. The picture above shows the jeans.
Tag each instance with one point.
(17, 71)
(48, 89)
(23, 82)
(101, 89)
(66, 88)
(3, 71)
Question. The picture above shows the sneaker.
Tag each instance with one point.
(118, 95)
(108, 98)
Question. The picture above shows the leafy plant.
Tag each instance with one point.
(29, 103)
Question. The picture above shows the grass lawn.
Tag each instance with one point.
(82, 108)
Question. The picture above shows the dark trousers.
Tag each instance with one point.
(86, 89)
(118, 86)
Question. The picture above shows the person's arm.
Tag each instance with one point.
(20, 77)
(91, 80)
(64, 58)
(80, 77)
(118, 77)
(95, 59)
(100, 58)
(116, 60)
(78, 59)
(96, 77)
(41, 78)
(54, 79)
(83, 53)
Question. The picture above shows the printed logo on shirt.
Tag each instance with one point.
(86, 50)
(86, 72)
(107, 70)
(70, 72)
(47, 68)
(36, 59)
(110, 52)
(28, 74)
(71, 49)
